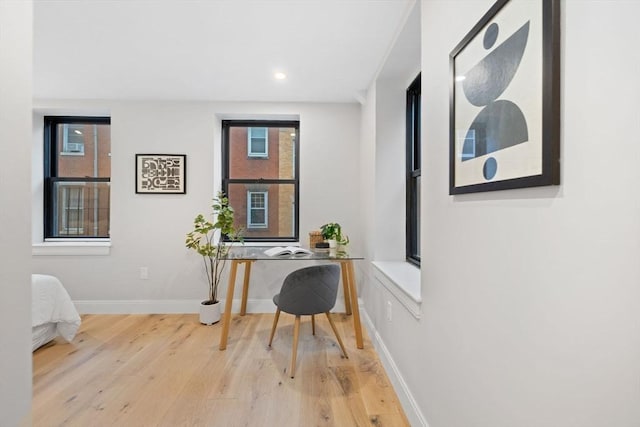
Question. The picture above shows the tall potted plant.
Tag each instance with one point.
(208, 239)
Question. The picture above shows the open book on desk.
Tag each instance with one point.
(289, 250)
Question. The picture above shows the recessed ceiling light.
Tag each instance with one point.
(280, 75)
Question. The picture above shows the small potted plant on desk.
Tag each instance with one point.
(208, 239)
(332, 233)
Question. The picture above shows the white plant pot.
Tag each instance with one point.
(333, 243)
(209, 313)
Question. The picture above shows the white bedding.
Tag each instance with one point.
(40, 335)
(51, 305)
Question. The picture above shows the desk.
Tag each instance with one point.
(247, 255)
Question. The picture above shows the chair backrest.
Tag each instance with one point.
(310, 290)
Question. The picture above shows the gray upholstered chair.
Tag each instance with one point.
(308, 291)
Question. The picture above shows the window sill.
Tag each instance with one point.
(402, 279)
(71, 248)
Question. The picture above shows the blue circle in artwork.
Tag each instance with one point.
(490, 168)
(490, 36)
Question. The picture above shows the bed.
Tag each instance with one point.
(52, 311)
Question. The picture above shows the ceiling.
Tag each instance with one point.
(223, 50)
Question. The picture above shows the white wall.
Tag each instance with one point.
(149, 230)
(15, 283)
(368, 172)
(531, 297)
(390, 203)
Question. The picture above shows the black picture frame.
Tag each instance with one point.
(504, 107)
(161, 174)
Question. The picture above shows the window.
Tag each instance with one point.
(72, 209)
(264, 194)
(257, 208)
(413, 172)
(258, 142)
(72, 139)
(77, 172)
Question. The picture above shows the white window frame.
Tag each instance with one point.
(251, 152)
(250, 208)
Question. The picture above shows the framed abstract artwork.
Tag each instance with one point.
(504, 99)
(161, 173)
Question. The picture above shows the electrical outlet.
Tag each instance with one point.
(144, 273)
(389, 311)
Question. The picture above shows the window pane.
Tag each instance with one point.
(262, 187)
(257, 200)
(280, 162)
(258, 146)
(257, 209)
(257, 217)
(272, 204)
(418, 203)
(72, 212)
(258, 142)
(81, 208)
(413, 171)
(416, 132)
(84, 150)
(73, 141)
(258, 133)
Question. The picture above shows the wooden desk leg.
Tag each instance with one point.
(353, 292)
(345, 284)
(226, 318)
(245, 287)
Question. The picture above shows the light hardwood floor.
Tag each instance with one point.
(166, 370)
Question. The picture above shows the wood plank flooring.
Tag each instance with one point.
(166, 370)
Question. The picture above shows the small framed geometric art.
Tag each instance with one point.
(161, 173)
(505, 99)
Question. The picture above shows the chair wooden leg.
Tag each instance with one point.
(273, 328)
(335, 331)
(313, 324)
(296, 332)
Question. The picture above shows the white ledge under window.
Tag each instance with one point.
(69, 248)
(403, 281)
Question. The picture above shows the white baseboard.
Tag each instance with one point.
(170, 306)
(409, 404)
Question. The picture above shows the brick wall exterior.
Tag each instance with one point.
(277, 165)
